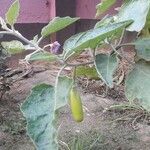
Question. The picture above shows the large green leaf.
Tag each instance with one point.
(91, 38)
(62, 90)
(104, 6)
(39, 112)
(45, 56)
(13, 13)
(86, 71)
(57, 24)
(106, 65)
(13, 47)
(142, 47)
(136, 10)
(137, 84)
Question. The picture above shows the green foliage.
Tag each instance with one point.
(13, 47)
(106, 65)
(13, 13)
(46, 100)
(57, 24)
(62, 89)
(88, 72)
(39, 112)
(91, 38)
(137, 84)
(104, 6)
(105, 21)
(136, 10)
(42, 105)
(45, 56)
(142, 47)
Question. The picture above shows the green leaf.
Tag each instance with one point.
(13, 47)
(35, 39)
(13, 13)
(44, 56)
(142, 47)
(104, 6)
(145, 33)
(105, 21)
(62, 89)
(137, 10)
(86, 71)
(57, 24)
(106, 65)
(137, 84)
(91, 38)
(39, 112)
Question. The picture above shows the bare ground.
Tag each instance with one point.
(101, 129)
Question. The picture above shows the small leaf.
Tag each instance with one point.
(35, 39)
(45, 56)
(62, 90)
(106, 65)
(86, 71)
(39, 112)
(142, 47)
(137, 84)
(13, 47)
(137, 10)
(91, 38)
(13, 13)
(57, 24)
(104, 6)
(3, 23)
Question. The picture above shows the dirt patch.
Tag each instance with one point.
(100, 130)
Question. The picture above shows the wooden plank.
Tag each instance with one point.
(32, 11)
(86, 9)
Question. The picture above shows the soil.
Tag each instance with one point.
(102, 129)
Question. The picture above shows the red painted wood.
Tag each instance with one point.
(32, 11)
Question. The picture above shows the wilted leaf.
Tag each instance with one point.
(45, 56)
(57, 24)
(106, 65)
(142, 47)
(104, 6)
(137, 84)
(136, 10)
(39, 112)
(13, 47)
(13, 13)
(91, 38)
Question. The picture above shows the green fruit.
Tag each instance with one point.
(76, 105)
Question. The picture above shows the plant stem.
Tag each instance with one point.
(121, 38)
(115, 50)
(125, 44)
(40, 39)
